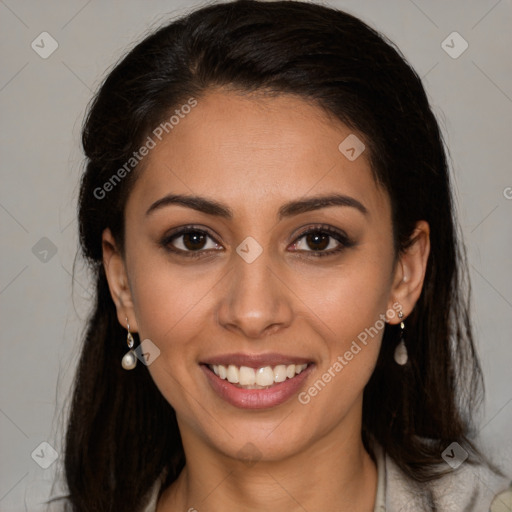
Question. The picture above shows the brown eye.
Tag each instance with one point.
(194, 240)
(317, 241)
(322, 241)
(190, 242)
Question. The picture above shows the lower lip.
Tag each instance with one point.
(256, 398)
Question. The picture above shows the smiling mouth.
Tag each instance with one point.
(257, 378)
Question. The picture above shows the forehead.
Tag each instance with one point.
(245, 149)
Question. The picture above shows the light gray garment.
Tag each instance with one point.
(468, 488)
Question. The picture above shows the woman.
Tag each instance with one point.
(268, 214)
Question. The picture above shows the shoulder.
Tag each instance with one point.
(466, 488)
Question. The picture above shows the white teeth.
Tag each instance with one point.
(233, 374)
(247, 376)
(250, 378)
(265, 376)
(280, 373)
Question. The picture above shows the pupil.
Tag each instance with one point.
(193, 240)
(313, 239)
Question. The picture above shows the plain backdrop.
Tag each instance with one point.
(42, 103)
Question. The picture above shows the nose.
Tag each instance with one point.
(255, 301)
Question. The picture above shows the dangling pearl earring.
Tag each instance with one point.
(401, 355)
(129, 361)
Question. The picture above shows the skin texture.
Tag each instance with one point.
(254, 153)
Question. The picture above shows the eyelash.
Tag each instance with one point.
(344, 241)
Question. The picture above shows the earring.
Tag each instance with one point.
(129, 361)
(401, 355)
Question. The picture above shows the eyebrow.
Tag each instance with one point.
(212, 207)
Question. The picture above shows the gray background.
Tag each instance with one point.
(42, 103)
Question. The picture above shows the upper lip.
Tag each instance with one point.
(256, 360)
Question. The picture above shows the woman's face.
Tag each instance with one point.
(245, 285)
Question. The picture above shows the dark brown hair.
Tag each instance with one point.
(122, 432)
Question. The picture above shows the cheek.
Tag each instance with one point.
(168, 299)
(347, 299)
(353, 343)
(167, 315)
(172, 307)
(349, 310)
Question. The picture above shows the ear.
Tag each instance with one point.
(117, 277)
(410, 272)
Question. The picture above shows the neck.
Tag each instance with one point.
(333, 470)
